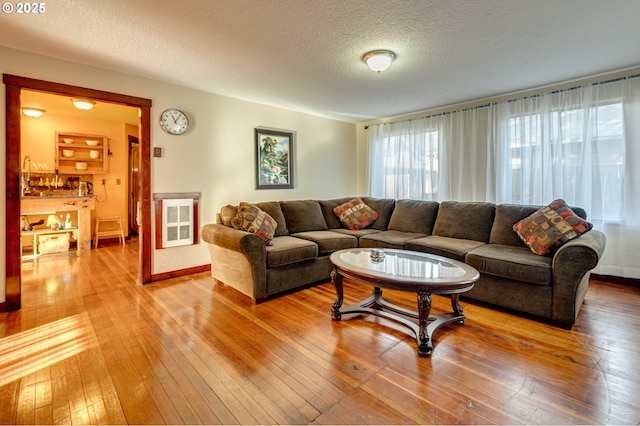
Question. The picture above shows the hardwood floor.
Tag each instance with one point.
(90, 345)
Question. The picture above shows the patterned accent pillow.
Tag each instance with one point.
(355, 214)
(550, 227)
(252, 219)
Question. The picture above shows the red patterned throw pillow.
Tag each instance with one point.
(252, 219)
(355, 214)
(550, 227)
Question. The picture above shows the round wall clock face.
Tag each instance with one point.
(174, 121)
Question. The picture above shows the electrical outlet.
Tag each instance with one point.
(157, 152)
(104, 181)
(118, 181)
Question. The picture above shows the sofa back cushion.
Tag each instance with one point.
(355, 214)
(303, 215)
(384, 208)
(508, 215)
(228, 212)
(414, 216)
(467, 220)
(253, 219)
(274, 210)
(330, 218)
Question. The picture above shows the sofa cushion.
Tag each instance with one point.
(551, 227)
(466, 220)
(303, 215)
(252, 219)
(453, 248)
(328, 241)
(330, 217)
(388, 239)
(384, 207)
(274, 210)
(357, 233)
(515, 263)
(355, 214)
(414, 216)
(506, 216)
(286, 250)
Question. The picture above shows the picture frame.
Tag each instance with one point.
(274, 159)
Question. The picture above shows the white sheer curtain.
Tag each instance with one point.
(433, 158)
(582, 145)
(404, 159)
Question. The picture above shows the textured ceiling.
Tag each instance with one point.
(306, 55)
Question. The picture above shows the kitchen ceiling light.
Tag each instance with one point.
(379, 60)
(32, 112)
(85, 105)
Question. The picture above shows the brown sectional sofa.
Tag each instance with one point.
(477, 233)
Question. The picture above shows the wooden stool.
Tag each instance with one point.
(113, 228)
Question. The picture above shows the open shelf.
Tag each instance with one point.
(73, 148)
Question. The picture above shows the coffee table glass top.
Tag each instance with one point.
(403, 265)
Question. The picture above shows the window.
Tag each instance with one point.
(410, 165)
(570, 150)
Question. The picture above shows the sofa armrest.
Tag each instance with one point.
(233, 239)
(233, 253)
(571, 266)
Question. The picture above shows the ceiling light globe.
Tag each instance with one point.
(32, 112)
(379, 60)
(84, 105)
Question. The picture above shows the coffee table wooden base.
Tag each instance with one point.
(422, 323)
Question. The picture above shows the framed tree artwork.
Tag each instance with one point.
(274, 159)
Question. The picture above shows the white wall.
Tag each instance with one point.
(215, 157)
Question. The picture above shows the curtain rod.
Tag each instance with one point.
(597, 83)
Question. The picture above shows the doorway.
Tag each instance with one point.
(134, 185)
(14, 85)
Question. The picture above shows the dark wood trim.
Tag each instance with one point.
(1, 307)
(176, 195)
(14, 84)
(12, 226)
(81, 92)
(196, 222)
(181, 272)
(145, 193)
(633, 282)
(157, 207)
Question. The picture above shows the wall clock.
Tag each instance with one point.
(174, 121)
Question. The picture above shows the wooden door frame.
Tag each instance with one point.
(13, 85)
(131, 208)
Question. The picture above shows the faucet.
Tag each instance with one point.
(26, 187)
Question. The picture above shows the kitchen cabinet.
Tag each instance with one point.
(80, 153)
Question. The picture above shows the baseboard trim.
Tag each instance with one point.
(1, 307)
(180, 273)
(633, 282)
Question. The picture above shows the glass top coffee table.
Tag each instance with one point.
(420, 273)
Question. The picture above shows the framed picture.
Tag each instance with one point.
(274, 159)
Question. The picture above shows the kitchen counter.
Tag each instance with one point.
(44, 194)
(55, 203)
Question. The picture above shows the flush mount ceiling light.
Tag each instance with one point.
(82, 104)
(379, 60)
(32, 112)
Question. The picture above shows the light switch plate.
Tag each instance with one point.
(157, 152)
